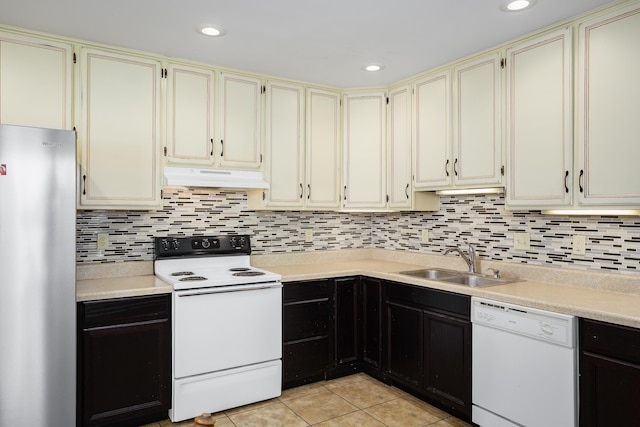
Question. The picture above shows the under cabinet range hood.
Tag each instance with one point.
(213, 178)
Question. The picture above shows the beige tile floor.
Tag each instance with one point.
(353, 401)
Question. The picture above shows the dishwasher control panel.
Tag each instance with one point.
(540, 324)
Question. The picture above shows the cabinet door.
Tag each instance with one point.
(347, 331)
(307, 331)
(399, 151)
(432, 131)
(609, 394)
(477, 133)
(35, 82)
(240, 125)
(609, 374)
(404, 344)
(124, 361)
(120, 130)
(447, 375)
(539, 121)
(323, 149)
(284, 148)
(364, 151)
(190, 118)
(608, 110)
(371, 319)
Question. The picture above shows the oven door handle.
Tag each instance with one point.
(241, 288)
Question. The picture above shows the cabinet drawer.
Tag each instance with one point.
(124, 310)
(300, 291)
(435, 300)
(305, 319)
(621, 342)
(305, 358)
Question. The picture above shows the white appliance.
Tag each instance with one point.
(38, 276)
(524, 365)
(227, 324)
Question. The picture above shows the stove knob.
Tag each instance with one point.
(206, 243)
(176, 244)
(243, 242)
(165, 244)
(233, 242)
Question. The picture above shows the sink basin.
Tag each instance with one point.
(456, 277)
(431, 273)
(475, 281)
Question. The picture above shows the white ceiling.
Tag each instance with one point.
(320, 41)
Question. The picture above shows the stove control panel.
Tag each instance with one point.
(166, 247)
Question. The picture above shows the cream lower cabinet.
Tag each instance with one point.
(365, 151)
(239, 120)
(539, 122)
(477, 125)
(190, 115)
(608, 143)
(119, 132)
(35, 82)
(432, 131)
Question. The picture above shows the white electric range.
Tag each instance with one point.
(226, 324)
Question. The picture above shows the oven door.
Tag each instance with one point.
(222, 328)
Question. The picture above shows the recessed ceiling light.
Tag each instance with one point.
(211, 30)
(515, 5)
(372, 67)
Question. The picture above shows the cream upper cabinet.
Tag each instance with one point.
(608, 142)
(322, 149)
(284, 145)
(119, 131)
(189, 115)
(399, 147)
(240, 113)
(35, 82)
(432, 131)
(364, 151)
(477, 131)
(539, 121)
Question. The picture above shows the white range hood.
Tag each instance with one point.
(213, 178)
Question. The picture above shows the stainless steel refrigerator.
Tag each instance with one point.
(37, 277)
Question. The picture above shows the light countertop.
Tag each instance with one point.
(588, 300)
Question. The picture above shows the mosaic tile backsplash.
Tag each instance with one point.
(613, 243)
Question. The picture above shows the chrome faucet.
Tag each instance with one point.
(470, 259)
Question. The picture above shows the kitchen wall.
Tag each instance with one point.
(613, 243)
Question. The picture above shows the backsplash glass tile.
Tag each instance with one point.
(613, 243)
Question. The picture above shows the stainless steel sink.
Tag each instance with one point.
(475, 280)
(431, 273)
(457, 277)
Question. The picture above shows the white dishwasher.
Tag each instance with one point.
(524, 364)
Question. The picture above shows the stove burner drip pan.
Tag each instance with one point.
(193, 279)
(248, 273)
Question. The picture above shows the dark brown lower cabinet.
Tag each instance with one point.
(124, 361)
(427, 345)
(307, 331)
(347, 327)
(371, 326)
(414, 337)
(609, 375)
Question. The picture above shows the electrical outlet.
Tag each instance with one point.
(102, 241)
(521, 241)
(308, 236)
(579, 245)
(425, 236)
